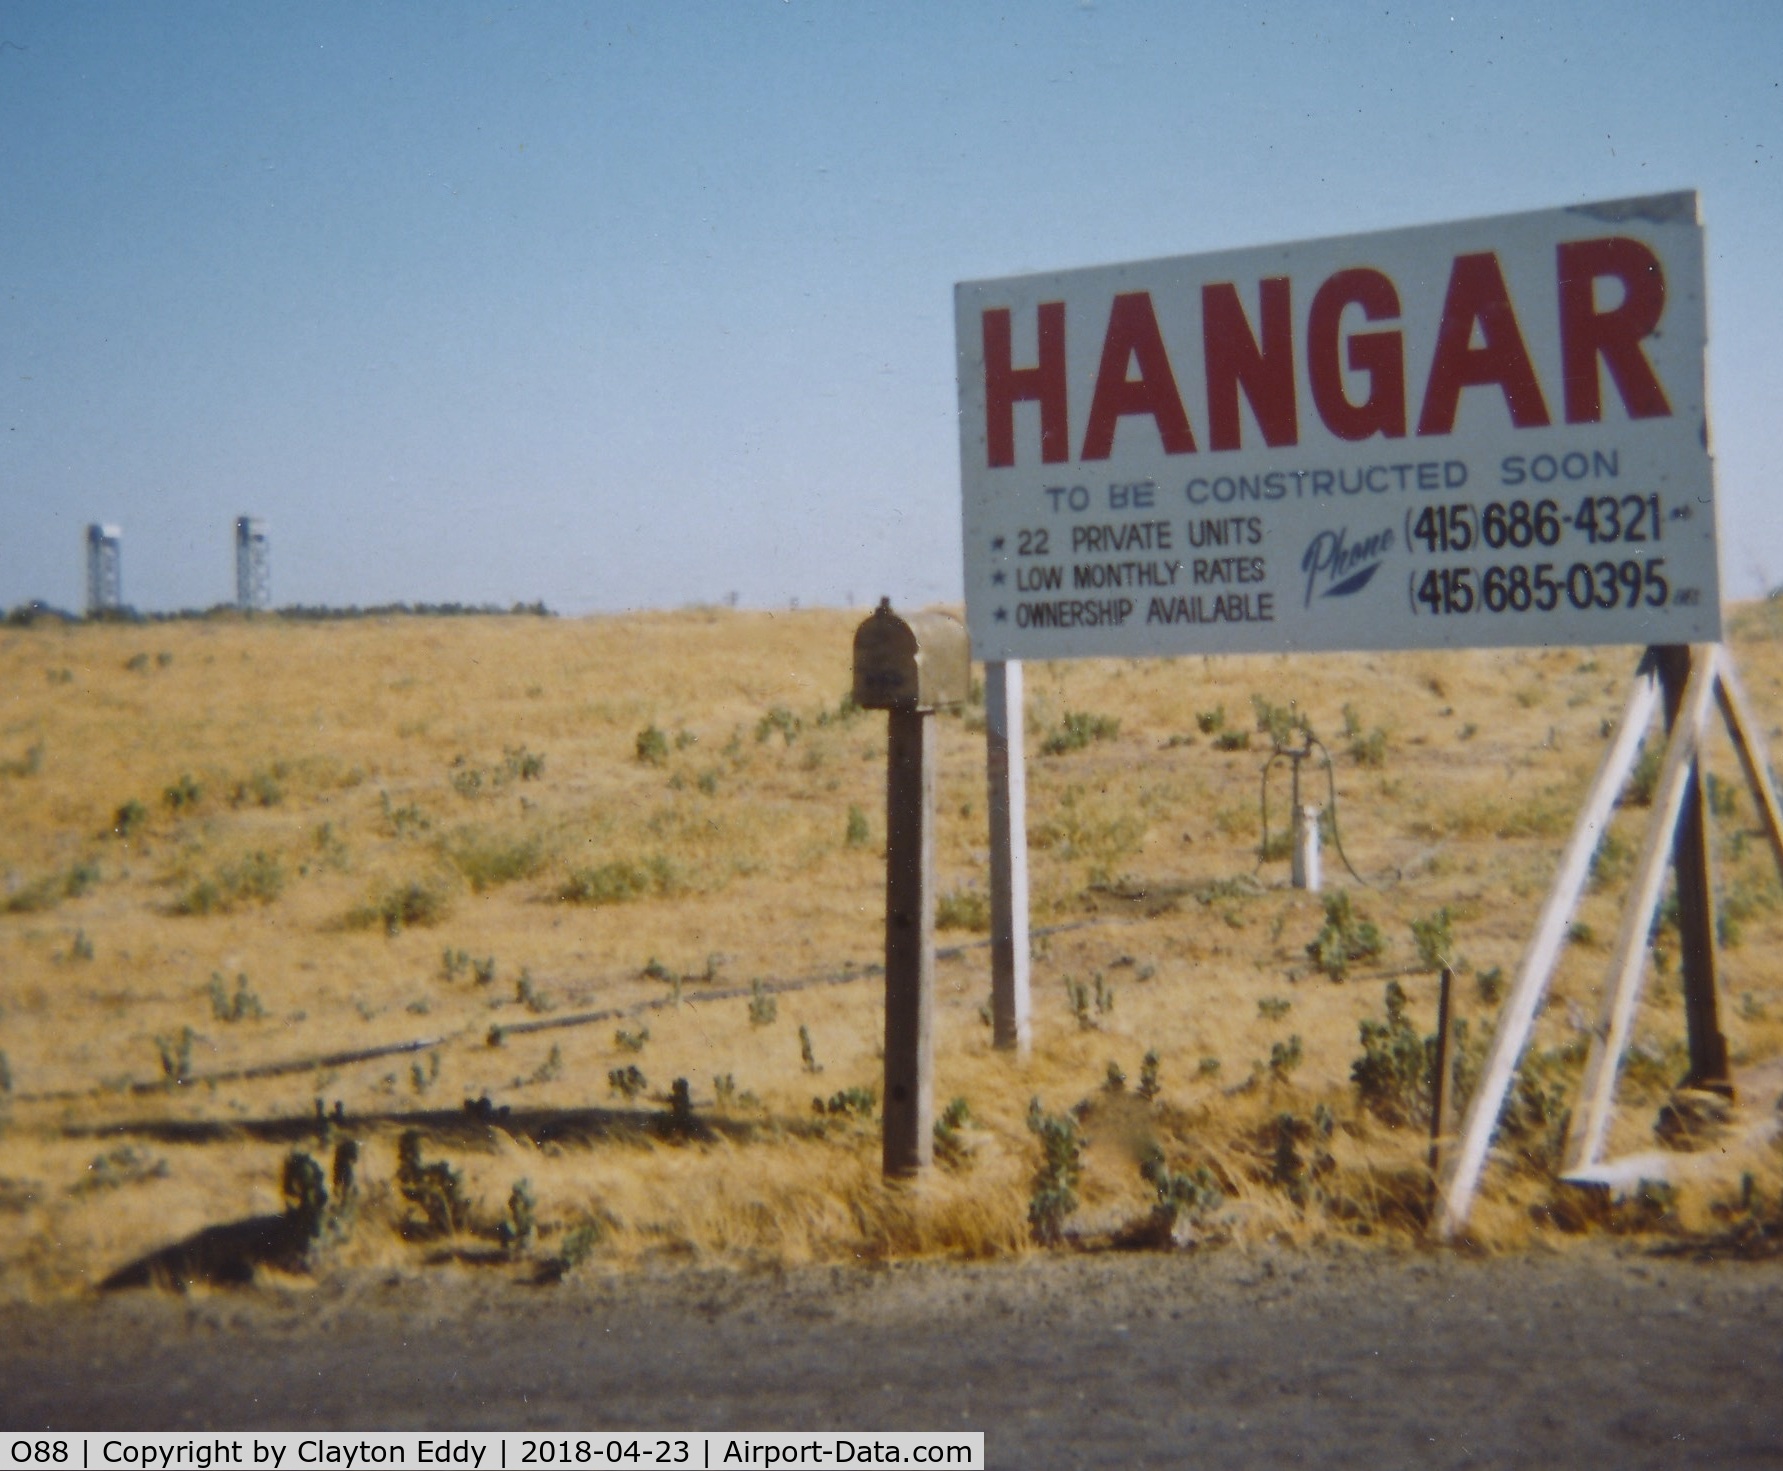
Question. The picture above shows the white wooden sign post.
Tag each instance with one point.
(1008, 782)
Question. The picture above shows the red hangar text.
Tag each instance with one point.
(1479, 344)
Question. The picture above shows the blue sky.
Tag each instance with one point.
(637, 305)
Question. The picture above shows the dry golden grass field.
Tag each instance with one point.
(538, 853)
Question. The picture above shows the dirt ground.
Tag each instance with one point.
(1596, 1355)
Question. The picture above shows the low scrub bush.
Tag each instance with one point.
(436, 1189)
(1434, 937)
(628, 1081)
(416, 903)
(1393, 1074)
(856, 1103)
(1053, 1198)
(1186, 1199)
(951, 1147)
(182, 795)
(262, 789)
(1366, 747)
(618, 881)
(1643, 781)
(1296, 1153)
(259, 878)
(1283, 724)
(857, 834)
(651, 746)
(243, 1006)
(779, 719)
(1346, 938)
(963, 909)
(46, 893)
(1149, 1083)
(487, 860)
(1284, 1057)
(519, 1229)
(1078, 729)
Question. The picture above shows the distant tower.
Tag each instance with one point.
(253, 572)
(105, 573)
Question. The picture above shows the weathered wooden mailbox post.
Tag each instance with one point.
(910, 666)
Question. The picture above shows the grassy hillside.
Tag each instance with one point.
(234, 848)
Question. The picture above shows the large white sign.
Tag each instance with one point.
(1483, 433)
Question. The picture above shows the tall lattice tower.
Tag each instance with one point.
(253, 568)
(105, 570)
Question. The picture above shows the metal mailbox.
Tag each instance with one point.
(916, 661)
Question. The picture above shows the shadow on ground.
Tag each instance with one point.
(225, 1255)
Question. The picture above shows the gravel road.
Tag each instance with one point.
(1331, 1358)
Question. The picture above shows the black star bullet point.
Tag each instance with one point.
(1002, 615)
(997, 578)
(997, 543)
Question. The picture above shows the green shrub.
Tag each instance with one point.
(130, 819)
(963, 909)
(1435, 940)
(1185, 1197)
(618, 881)
(951, 1148)
(763, 1007)
(1054, 1194)
(244, 1005)
(487, 860)
(258, 878)
(806, 1052)
(779, 719)
(182, 795)
(1077, 730)
(306, 1195)
(1210, 721)
(1232, 740)
(176, 1054)
(628, 1081)
(652, 746)
(262, 789)
(1345, 939)
(1148, 1076)
(1284, 1057)
(417, 903)
(1393, 1074)
(1297, 1157)
(857, 834)
(1366, 748)
(1274, 1008)
(1643, 781)
(1489, 985)
(1077, 997)
(529, 996)
(518, 762)
(436, 1189)
(848, 1103)
(520, 1229)
(1281, 723)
